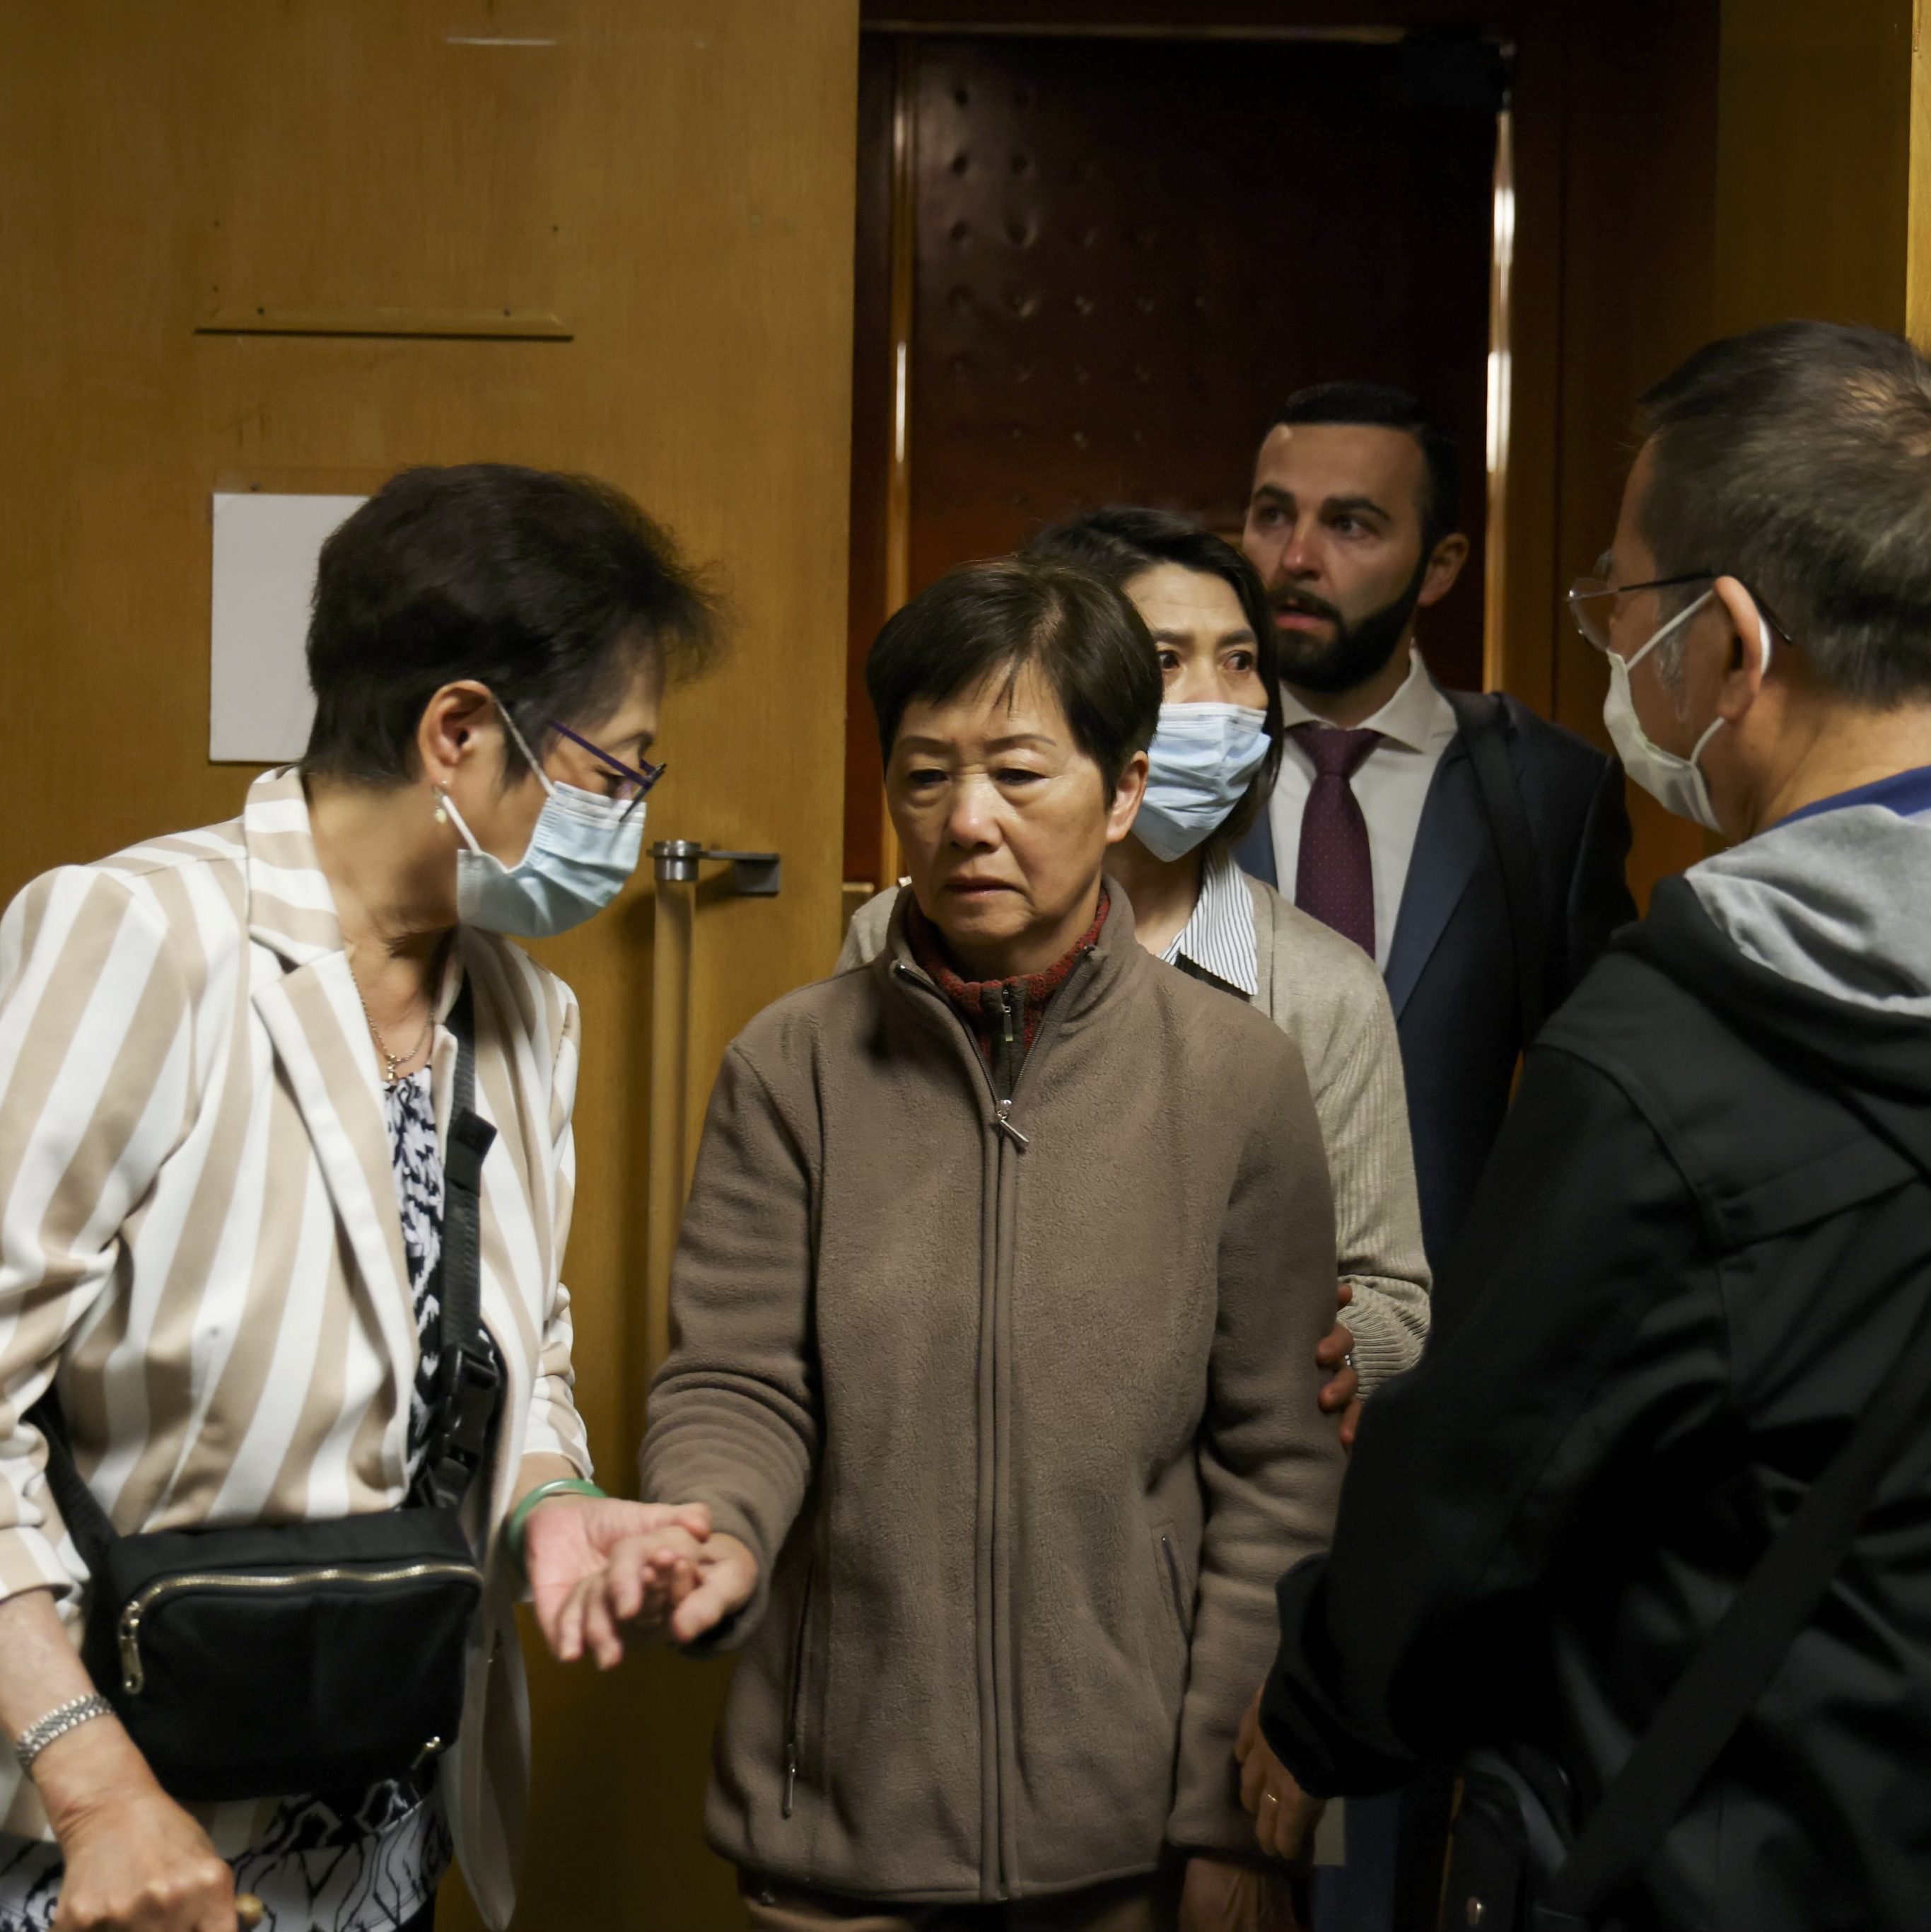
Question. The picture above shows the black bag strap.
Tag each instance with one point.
(1721, 1684)
(1485, 730)
(470, 1376)
(87, 1522)
(458, 1266)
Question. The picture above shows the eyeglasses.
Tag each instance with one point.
(1593, 617)
(637, 782)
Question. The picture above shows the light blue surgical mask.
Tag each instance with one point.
(584, 847)
(1201, 761)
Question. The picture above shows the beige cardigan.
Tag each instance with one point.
(1325, 992)
(1016, 1408)
(200, 1243)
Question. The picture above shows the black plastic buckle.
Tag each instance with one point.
(472, 1385)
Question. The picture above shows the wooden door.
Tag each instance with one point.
(1125, 252)
(626, 226)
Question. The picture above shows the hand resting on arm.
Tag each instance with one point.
(136, 1861)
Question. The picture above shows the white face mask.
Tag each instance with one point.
(583, 848)
(1675, 782)
(1199, 764)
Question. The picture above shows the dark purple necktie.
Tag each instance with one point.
(1335, 881)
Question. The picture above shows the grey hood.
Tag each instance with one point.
(1839, 903)
(1812, 943)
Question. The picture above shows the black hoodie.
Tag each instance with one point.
(1692, 1258)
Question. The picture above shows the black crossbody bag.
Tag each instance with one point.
(1517, 1862)
(275, 1659)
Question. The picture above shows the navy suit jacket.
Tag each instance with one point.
(1451, 970)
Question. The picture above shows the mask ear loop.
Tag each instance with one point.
(445, 803)
(1764, 633)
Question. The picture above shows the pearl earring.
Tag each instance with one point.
(442, 816)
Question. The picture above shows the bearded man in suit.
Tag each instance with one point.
(1483, 903)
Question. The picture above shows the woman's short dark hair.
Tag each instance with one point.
(550, 590)
(986, 620)
(1120, 543)
(1798, 458)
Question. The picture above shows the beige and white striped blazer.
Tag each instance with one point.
(200, 1243)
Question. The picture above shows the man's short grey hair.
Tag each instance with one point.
(1798, 458)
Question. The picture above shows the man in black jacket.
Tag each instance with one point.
(1475, 849)
(1705, 1233)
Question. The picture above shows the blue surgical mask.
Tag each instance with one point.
(1201, 761)
(584, 849)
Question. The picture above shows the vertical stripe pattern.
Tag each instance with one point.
(1218, 936)
(199, 1241)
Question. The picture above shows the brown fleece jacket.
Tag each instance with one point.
(1018, 1415)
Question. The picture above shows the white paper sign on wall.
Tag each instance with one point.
(266, 550)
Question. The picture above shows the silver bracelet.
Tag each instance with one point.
(58, 1722)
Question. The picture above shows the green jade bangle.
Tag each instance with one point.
(513, 1530)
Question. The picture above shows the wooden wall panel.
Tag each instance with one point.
(674, 180)
(1383, 20)
(872, 391)
(1639, 220)
(1523, 607)
(1917, 196)
(1814, 161)
(1683, 170)
(1130, 252)
(1615, 119)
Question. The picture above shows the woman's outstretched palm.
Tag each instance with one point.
(595, 1564)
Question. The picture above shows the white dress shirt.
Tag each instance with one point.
(1219, 937)
(1391, 784)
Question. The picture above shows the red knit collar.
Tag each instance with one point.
(1034, 990)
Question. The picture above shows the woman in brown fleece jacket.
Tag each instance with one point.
(995, 1315)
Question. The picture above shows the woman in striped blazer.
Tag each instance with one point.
(225, 1069)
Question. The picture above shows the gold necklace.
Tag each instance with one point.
(393, 1063)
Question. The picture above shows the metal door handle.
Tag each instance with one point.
(676, 861)
(754, 875)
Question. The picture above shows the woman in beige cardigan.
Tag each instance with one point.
(1192, 906)
(226, 1066)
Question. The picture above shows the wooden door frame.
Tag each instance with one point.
(1522, 536)
(1585, 333)
(905, 24)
